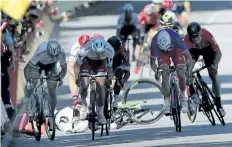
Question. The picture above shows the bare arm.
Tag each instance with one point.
(218, 56)
(189, 61)
(72, 77)
(153, 64)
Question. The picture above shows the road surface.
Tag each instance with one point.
(216, 18)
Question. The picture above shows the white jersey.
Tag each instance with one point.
(134, 21)
(42, 56)
(78, 54)
(73, 52)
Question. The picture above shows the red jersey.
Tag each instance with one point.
(145, 20)
(207, 40)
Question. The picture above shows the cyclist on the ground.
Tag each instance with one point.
(201, 42)
(95, 55)
(128, 24)
(165, 45)
(121, 67)
(46, 57)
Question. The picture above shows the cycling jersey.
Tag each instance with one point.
(73, 52)
(176, 42)
(134, 21)
(143, 19)
(175, 52)
(87, 51)
(207, 40)
(42, 57)
(179, 6)
(122, 59)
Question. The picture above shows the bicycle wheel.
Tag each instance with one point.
(93, 116)
(207, 107)
(37, 120)
(156, 87)
(211, 100)
(176, 109)
(106, 113)
(193, 107)
(49, 119)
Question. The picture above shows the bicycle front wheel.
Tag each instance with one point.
(141, 94)
(176, 109)
(49, 119)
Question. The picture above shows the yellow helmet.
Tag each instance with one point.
(166, 21)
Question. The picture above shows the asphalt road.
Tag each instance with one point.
(215, 16)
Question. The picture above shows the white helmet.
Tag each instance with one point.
(99, 45)
(157, 1)
(164, 40)
(128, 7)
(53, 47)
(148, 9)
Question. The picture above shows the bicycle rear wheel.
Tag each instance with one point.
(193, 107)
(211, 100)
(141, 119)
(49, 119)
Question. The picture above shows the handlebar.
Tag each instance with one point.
(93, 76)
(44, 77)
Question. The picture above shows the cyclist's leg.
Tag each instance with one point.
(184, 17)
(85, 69)
(164, 62)
(117, 86)
(137, 45)
(100, 68)
(52, 84)
(180, 65)
(122, 34)
(209, 56)
(30, 71)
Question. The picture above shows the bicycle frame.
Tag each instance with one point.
(172, 80)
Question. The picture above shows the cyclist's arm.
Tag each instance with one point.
(72, 63)
(109, 60)
(214, 45)
(63, 65)
(181, 45)
(187, 6)
(126, 62)
(154, 54)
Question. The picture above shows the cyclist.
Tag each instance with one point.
(121, 66)
(165, 44)
(128, 24)
(182, 8)
(73, 67)
(148, 20)
(46, 57)
(201, 42)
(95, 55)
(167, 21)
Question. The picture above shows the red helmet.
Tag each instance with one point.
(98, 36)
(167, 4)
(83, 39)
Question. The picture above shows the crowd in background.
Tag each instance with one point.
(17, 38)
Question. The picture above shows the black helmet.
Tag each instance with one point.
(115, 42)
(193, 29)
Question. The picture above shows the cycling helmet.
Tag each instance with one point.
(157, 2)
(148, 9)
(164, 40)
(98, 35)
(166, 21)
(167, 4)
(194, 29)
(115, 42)
(128, 7)
(83, 39)
(99, 45)
(53, 47)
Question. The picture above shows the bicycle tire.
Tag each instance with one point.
(108, 125)
(192, 117)
(37, 135)
(219, 116)
(51, 135)
(207, 108)
(93, 106)
(176, 110)
(106, 114)
(140, 81)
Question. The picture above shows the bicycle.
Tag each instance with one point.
(130, 111)
(92, 116)
(41, 117)
(145, 59)
(207, 98)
